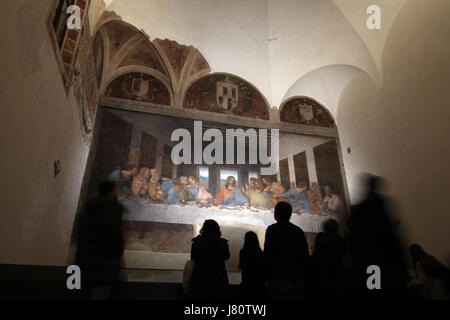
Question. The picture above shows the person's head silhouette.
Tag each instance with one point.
(251, 241)
(107, 188)
(210, 227)
(374, 183)
(283, 211)
(331, 226)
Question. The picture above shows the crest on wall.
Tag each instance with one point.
(303, 110)
(227, 95)
(139, 87)
(306, 111)
(228, 92)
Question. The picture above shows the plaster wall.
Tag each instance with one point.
(40, 123)
(401, 131)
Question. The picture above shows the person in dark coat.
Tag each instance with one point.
(430, 275)
(374, 241)
(286, 256)
(209, 279)
(326, 262)
(251, 265)
(100, 242)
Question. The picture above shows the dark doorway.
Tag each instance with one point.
(147, 157)
(301, 168)
(328, 169)
(284, 174)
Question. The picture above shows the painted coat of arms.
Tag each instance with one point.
(305, 112)
(227, 95)
(139, 87)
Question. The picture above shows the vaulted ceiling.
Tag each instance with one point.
(285, 48)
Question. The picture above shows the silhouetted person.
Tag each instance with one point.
(209, 279)
(285, 256)
(430, 274)
(374, 242)
(326, 262)
(100, 242)
(251, 265)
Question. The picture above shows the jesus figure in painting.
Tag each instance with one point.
(230, 195)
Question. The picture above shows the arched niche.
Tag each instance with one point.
(226, 94)
(140, 87)
(306, 111)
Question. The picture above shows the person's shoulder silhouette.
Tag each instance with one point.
(285, 248)
(209, 252)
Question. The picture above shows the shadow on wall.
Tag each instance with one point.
(399, 131)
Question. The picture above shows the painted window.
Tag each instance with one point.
(203, 176)
(252, 174)
(225, 173)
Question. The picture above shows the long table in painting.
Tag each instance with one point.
(138, 210)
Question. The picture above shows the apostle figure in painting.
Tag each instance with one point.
(316, 197)
(251, 185)
(176, 194)
(274, 191)
(298, 197)
(158, 188)
(143, 194)
(139, 181)
(331, 202)
(122, 179)
(230, 194)
(179, 192)
(198, 190)
(267, 184)
(257, 197)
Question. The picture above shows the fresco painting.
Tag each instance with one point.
(134, 150)
(306, 111)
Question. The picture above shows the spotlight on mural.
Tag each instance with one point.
(169, 187)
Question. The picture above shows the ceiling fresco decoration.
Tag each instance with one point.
(143, 54)
(183, 62)
(199, 65)
(162, 71)
(305, 111)
(119, 47)
(85, 85)
(176, 55)
(98, 51)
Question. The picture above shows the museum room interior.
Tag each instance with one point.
(337, 89)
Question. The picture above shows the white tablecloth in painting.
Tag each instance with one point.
(138, 210)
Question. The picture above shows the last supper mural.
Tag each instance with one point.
(166, 201)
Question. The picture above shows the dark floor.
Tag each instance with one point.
(19, 282)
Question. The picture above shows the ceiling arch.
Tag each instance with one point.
(228, 94)
(119, 42)
(271, 43)
(356, 13)
(120, 48)
(324, 84)
(306, 111)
